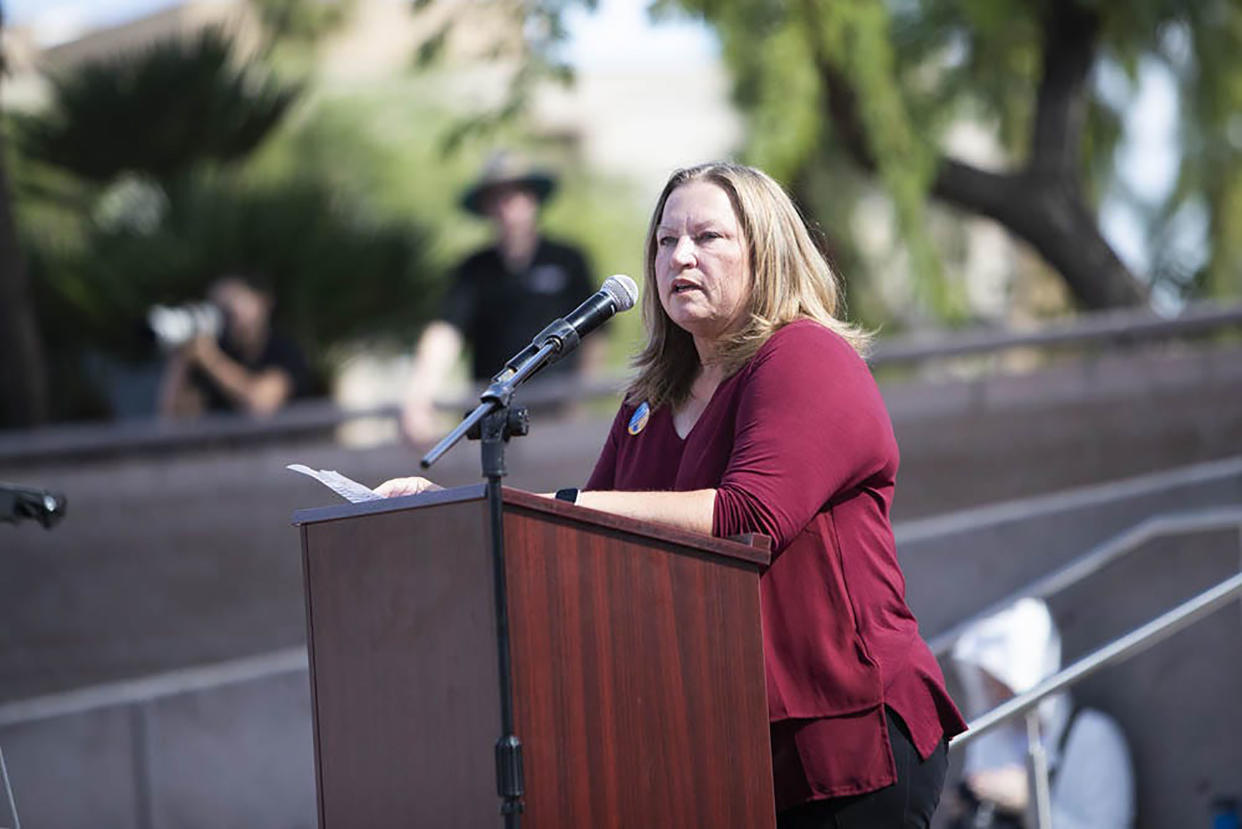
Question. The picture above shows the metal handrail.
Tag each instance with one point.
(299, 420)
(1120, 649)
(150, 689)
(1095, 559)
(1128, 325)
(1039, 807)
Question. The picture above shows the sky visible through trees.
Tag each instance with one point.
(620, 33)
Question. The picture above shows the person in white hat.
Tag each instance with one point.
(1092, 785)
(501, 296)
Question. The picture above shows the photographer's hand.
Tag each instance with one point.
(203, 350)
(259, 392)
(177, 397)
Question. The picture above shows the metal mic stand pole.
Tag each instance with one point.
(493, 422)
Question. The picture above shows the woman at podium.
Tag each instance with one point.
(753, 411)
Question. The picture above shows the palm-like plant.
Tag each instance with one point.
(337, 273)
(159, 112)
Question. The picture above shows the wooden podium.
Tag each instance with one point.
(637, 679)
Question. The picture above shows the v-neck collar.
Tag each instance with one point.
(711, 401)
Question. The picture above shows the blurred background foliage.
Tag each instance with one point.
(136, 186)
(150, 174)
(877, 85)
(174, 107)
(844, 99)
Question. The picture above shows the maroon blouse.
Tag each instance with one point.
(798, 445)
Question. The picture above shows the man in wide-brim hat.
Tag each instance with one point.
(506, 171)
(501, 296)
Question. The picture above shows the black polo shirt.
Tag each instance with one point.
(499, 311)
(279, 352)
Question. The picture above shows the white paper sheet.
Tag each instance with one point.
(347, 488)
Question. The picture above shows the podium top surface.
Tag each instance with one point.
(753, 549)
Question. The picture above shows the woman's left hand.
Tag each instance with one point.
(406, 486)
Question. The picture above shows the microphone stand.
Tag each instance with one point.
(493, 422)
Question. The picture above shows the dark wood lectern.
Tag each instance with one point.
(637, 667)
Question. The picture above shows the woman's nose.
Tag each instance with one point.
(683, 252)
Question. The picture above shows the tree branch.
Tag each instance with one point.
(1054, 220)
(1042, 204)
(1070, 35)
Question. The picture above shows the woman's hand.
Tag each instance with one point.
(406, 486)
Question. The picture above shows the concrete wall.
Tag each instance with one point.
(185, 557)
(240, 755)
(176, 559)
(165, 562)
(235, 756)
(1086, 421)
(958, 564)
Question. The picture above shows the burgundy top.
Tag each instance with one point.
(798, 445)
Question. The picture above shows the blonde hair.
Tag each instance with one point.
(791, 280)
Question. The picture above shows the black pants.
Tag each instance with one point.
(908, 803)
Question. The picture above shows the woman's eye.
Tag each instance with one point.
(667, 241)
(708, 235)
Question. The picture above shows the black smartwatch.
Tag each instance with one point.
(569, 493)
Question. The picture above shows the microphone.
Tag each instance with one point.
(618, 293)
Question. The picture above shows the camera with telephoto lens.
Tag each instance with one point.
(176, 325)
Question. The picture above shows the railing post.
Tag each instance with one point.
(140, 731)
(1118, 650)
(1240, 557)
(1040, 806)
(8, 793)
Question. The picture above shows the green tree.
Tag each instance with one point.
(158, 115)
(876, 82)
(301, 22)
(338, 273)
(23, 380)
(117, 217)
(107, 180)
